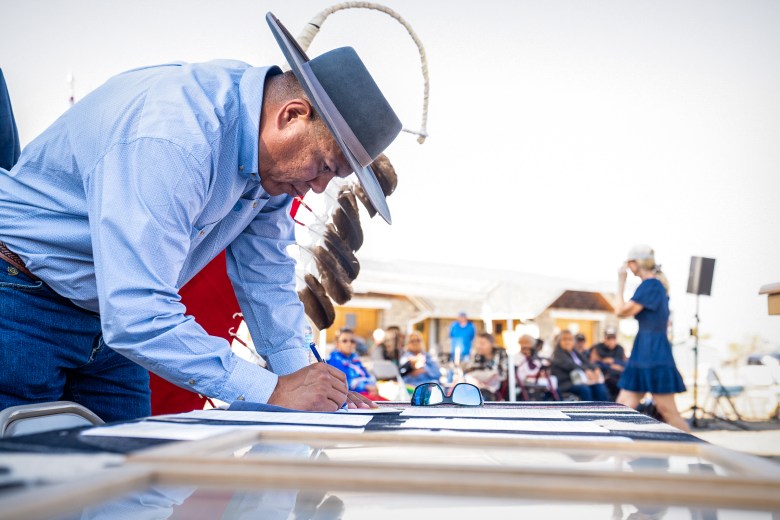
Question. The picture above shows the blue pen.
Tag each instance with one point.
(313, 348)
(308, 337)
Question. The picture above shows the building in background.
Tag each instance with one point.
(427, 297)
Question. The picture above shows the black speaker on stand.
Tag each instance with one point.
(700, 283)
(700, 276)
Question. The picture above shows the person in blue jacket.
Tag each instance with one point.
(651, 367)
(462, 333)
(417, 366)
(345, 359)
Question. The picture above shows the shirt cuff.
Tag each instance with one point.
(249, 382)
(289, 360)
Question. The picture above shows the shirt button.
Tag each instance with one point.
(202, 233)
(240, 398)
(191, 381)
(241, 168)
(254, 204)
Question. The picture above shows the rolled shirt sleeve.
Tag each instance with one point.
(133, 190)
(263, 276)
(143, 226)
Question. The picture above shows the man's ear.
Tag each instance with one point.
(293, 111)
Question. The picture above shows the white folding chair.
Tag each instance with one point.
(719, 391)
(41, 417)
(390, 384)
(760, 391)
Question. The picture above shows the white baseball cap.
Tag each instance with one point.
(640, 252)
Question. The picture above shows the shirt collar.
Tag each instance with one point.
(251, 92)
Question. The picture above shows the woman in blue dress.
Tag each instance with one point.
(651, 367)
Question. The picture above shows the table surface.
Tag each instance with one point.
(600, 460)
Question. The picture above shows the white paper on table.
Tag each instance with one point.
(372, 411)
(505, 424)
(475, 412)
(606, 408)
(586, 415)
(159, 430)
(323, 419)
(456, 433)
(190, 432)
(309, 428)
(638, 427)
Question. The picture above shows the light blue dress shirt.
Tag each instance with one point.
(133, 191)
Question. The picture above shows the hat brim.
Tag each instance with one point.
(297, 59)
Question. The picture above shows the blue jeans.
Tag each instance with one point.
(597, 392)
(52, 350)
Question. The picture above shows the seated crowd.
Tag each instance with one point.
(346, 359)
(573, 372)
(488, 368)
(416, 365)
(533, 372)
(611, 359)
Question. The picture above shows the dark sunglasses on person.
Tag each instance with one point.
(429, 394)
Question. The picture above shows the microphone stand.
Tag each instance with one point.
(695, 333)
(694, 420)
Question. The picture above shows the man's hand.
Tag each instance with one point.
(318, 388)
(356, 400)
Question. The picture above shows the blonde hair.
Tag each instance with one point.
(648, 264)
(561, 334)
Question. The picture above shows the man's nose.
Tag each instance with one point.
(319, 183)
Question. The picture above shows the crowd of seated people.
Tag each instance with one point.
(611, 358)
(574, 371)
(346, 359)
(533, 372)
(390, 345)
(488, 367)
(416, 365)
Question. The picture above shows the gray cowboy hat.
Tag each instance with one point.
(349, 102)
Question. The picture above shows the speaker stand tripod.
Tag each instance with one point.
(695, 421)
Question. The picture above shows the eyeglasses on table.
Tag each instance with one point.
(463, 394)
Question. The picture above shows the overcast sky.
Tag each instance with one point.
(561, 133)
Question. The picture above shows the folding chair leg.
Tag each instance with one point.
(733, 408)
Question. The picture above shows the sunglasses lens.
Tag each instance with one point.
(466, 394)
(427, 394)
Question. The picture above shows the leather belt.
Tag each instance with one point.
(13, 259)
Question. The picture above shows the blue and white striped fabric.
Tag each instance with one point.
(136, 188)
